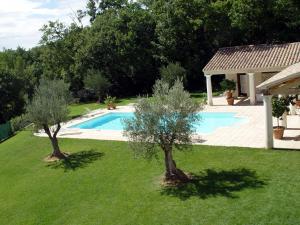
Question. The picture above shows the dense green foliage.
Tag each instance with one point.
(128, 41)
(228, 85)
(118, 43)
(173, 72)
(11, 96)
(103, 183)
(49, 104)
(97, 83)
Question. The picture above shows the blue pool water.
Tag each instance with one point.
(210, 121)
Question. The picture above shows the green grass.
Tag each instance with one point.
(78, 109)
(104, 184)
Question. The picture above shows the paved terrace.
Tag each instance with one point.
(248, 134)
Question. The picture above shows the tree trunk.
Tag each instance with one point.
(172, 172)
(99, 99)
(56, 150)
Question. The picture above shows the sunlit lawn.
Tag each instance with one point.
(78, 109)
(103, 183)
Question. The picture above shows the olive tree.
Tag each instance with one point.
(97, 82)
(164, 122)
(173, 72)
(49, 108)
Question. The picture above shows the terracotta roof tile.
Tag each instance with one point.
(251, 57)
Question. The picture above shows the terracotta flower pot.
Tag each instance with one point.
(298, 103)
(111, 106)
(230, 101)
(228, 94)
(278, 132)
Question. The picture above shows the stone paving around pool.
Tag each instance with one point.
(247, 134)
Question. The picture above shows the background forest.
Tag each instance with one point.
(127, 42)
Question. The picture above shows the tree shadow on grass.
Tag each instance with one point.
(77, 160)
(213, 183)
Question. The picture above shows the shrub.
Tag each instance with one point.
(86, 95)
(19, 123)
(110, 102)
(228, 85)
(173, 72)
(97, 82)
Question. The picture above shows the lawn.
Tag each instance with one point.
(78, 109)
(103, 183)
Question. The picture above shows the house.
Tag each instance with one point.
(249, 66)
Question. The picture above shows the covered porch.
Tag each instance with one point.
(245, 88)
(248, 66)
(284, 84)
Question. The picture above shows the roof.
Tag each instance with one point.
(253, 58)
(290, 73)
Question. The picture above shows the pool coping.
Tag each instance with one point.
(68, 132)
(69, 124)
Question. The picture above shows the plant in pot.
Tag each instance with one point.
(229, 87)
(279, 107)
(292, 104)
(110, 102)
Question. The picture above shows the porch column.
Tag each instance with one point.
(268, 121)
(252, 90)
(209, 89)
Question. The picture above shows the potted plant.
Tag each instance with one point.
(279, 107)
(110, 102)
(292, 104)
(228, 86)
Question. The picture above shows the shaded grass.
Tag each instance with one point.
(236, 186)
(211, 183)
(77, 160)
(200, 96)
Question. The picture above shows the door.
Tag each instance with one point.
(243, 84)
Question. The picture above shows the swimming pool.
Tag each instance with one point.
(210, 121)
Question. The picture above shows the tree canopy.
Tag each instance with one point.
(165, 121)
(49, 108)
(129, 41)
(173, 72)
(11, 96)
(97, 82)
